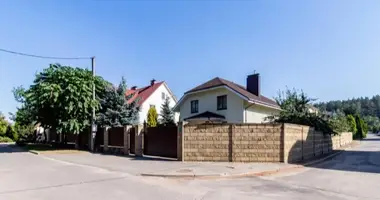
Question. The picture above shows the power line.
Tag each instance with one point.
(45, 57)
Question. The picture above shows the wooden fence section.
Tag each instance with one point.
(99, 138)
(132, 140)
(161, 141)
(116, 136)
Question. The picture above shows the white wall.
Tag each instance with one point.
(156, 99)
(208, 102)
(257, 113)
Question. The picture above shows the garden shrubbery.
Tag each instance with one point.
(296, 109)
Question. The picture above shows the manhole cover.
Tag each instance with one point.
(184, 170)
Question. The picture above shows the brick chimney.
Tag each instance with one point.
(253, 84)
(152, 82)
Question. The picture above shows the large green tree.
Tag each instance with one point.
(116, 110)
(61, 98)
(167, 114)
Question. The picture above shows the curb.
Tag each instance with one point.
(34, 152)
(183, 176)
(248, 174)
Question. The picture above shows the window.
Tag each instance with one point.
(163, 96)
(222, 102)
(194, 106)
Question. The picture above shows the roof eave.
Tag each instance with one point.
(264, 104)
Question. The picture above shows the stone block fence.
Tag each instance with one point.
(287, 143)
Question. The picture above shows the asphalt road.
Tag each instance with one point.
(354, 174)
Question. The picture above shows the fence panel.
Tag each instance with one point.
(116, 136)
(132, 140)
(99, 138)
(161, 141)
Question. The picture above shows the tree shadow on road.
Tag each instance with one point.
(11, 148)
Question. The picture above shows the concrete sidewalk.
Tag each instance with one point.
(220, 170)
(174, 169)
(167, 168)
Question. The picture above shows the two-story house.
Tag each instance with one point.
(220, 100)
(152, 95)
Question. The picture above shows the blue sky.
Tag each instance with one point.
(330, 49)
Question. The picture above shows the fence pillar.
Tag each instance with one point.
(126, 139)
(105, 139)
(139, 139)
(180, 140)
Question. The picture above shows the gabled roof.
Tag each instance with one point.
(240, 90)
(207, 115)
(143, 93)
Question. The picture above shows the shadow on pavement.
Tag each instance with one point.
(11, 148)
(360, 160)
(143, 158)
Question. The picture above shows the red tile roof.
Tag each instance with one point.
(237, 88)
(142, 93)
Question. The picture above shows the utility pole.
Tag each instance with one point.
(93, 126)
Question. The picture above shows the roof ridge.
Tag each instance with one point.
(217, 81)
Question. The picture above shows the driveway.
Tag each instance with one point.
(351, 175)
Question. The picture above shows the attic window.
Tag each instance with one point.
(163, 96)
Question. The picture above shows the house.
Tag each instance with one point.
(312, 109)
(152, 95)
(220, 100)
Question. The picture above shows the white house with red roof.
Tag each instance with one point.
(152, 95)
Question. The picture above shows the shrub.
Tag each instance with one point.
(352, 123)
(5, 139)
(11, 133)
(339, 124)
(362, 128)
(25, 133)
(152, 117)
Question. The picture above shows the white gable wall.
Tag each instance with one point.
(156, 100)
(208, 102)
(257, 114)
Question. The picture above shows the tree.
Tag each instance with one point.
(24, 132)
(25, 115)
(152, 117)
(352, 124)
(116, 110)
(3, 125)
(167, 114)
(367, 108)
(11, 133)
(61, 98)
(362, 127)
(295, 109)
